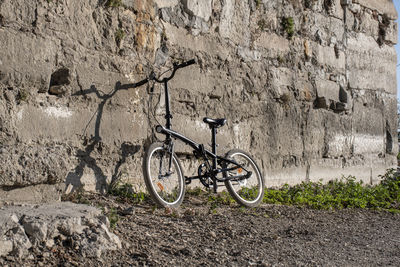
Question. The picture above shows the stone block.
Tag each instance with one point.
(60, 123)
(273, 44)
(368, 23)
(337, 10)
(198, 8)
(166, 3)
(18, 11)
(369, 65)
(326, 29)
(368, 129)
(326, 55)
(382, 7)
(26, 60)
(337, 31)
(328, 89)
(41, 193)
(366, 143)
(248, 54)
(234, 22)
(392, 33)
(179, 36)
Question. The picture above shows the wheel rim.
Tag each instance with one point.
(248, 190)
(167, 186)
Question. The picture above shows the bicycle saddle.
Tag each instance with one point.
(215, 122)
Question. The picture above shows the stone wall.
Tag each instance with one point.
(308, 86)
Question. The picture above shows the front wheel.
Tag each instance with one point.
(163, 176)
(248, 192)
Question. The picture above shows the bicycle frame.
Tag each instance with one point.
(199, 150)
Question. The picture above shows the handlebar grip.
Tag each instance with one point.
(187, 63)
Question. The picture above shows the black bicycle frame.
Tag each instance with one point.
(198, 148)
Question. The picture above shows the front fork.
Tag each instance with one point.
(169, 148)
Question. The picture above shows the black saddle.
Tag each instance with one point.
(215, 122)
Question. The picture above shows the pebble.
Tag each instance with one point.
(128, 211)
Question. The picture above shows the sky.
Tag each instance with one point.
(397, 4)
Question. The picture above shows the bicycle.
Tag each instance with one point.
(163, 174)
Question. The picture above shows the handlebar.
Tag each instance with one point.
(175, 68)
(187, 63)
(153, 77)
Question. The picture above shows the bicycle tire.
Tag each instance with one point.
(238, 189)
(156, 186)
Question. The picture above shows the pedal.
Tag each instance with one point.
(188, 180)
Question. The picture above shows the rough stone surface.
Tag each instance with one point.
(308, 87)
(23, 228)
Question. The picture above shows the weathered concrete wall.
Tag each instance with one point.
(308, 87)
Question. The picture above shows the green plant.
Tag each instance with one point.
(78, 196)
(288, 26)
(341, 193)
(125, 192)
(222, 198)
(119, 36)
(113, 218)
(262, 24)
(258, 3)
(281, 59)
(197, 191)
(114, 3)
(23, 95)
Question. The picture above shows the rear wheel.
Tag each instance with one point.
(247, 192)
(163, 176)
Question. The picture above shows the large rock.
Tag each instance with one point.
(22, 227)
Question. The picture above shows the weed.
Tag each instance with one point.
(23, 95)
(119, 36)
(341, 193)
(262, 24)
(222, 198)
(197, 191)
(113, 218)
(125, 192)
(258, 3)
(78, 196)
(281, 59)
(288, 26)
(114, 3)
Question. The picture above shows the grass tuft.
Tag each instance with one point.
(114, 3)
(125, 192)
(288, 26)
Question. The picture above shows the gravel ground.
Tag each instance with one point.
(271, 235)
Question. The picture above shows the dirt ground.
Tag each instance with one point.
(198, 234)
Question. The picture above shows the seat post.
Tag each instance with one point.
(214, 161)
(214, 145)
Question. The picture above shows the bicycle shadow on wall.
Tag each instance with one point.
(93, 147)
